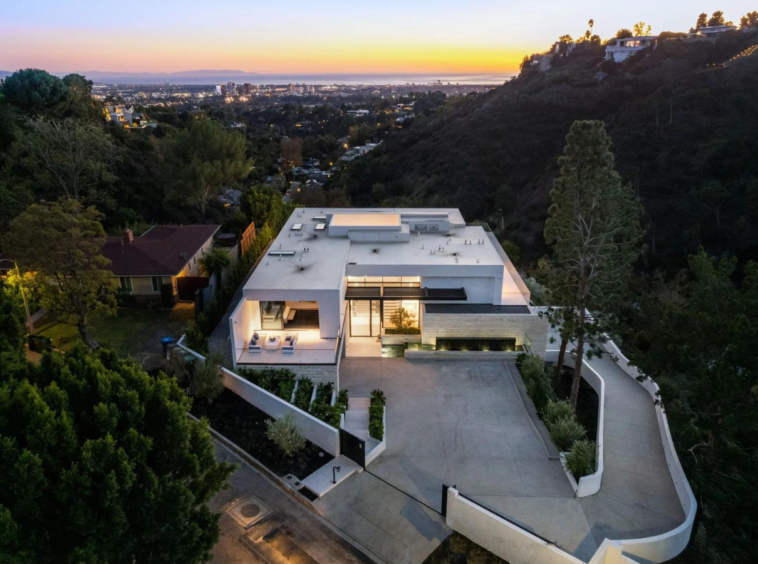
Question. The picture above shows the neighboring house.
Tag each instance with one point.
(127, 117)
(358, 113)
(337, 274)
(710, 31)
(625, 48)
(230, 197)
(162, 255)
(542, 61)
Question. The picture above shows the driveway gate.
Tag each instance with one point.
(353, 447)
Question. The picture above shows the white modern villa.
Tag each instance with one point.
(329, 285)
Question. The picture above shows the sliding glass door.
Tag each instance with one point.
(365, 318)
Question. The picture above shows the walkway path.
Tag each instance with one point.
(637, 497)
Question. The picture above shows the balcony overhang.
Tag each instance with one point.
(405, 293)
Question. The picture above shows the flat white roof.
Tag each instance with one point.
(319, 261)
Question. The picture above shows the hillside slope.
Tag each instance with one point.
(685, 132)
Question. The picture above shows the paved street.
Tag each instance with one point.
(286, 530)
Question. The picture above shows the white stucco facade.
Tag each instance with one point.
(356, 266)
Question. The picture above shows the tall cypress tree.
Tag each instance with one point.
(594, 229)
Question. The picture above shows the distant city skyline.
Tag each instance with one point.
(300, 37)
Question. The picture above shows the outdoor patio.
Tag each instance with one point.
(309, 348)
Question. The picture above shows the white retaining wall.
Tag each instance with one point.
(501, 537)
(315, 430)
(590, 485)
(518, 546)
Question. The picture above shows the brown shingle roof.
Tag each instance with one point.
(164, 250)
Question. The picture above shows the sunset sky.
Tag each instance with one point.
(311, 36)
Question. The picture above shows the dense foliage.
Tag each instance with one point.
(696, 336)
(682, 132)
(98, 461)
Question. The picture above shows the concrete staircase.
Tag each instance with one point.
(356, 421)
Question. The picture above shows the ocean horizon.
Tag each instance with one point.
(222, 77)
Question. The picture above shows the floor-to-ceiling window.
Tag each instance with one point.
(365, 318)
(403, 311)
(272, 316)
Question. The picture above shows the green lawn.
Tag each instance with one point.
(131, 332)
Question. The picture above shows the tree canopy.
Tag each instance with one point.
(594, 229)
(35, 91)
(204, 158)
(60, 243)
(696, 337)
(69, 158)
(100, 463)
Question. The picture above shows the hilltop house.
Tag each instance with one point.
(709, 32)
(624, 48)
(162, 255)
(127, 117)
(334, 279)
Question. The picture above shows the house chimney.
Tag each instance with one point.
(128, 236)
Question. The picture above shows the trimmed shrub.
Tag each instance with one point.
(520, 360)
(324, 393)
(378, 398)
(278, 381)
(376, 415)
(540, 389)
(565, 432)
(286, 434)
(556, 410)
(582, 460)
(536, 379)
(329, 414)
(376, 422)
(342, 400)
(531, 367)
(303, 393)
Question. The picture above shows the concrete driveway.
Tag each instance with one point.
(464, 423)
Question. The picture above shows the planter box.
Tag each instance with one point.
(400, 339)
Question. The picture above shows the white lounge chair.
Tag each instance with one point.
(288, 346)
(257, 342)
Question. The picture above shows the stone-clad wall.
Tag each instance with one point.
(500, 326)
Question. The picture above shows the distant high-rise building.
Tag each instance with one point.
(248, 88)
(230, 88)
(220, 89)
(292, 88)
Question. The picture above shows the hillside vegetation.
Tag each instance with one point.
(683, 119)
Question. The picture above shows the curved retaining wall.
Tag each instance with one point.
(315, 430)
(663, 547)
(511, 542)
(590, 485)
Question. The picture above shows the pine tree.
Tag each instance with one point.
(594, 230)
